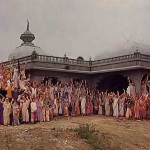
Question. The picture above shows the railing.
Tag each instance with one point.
(114, 59)
(20, 60)
(146, 57)
(65, 60)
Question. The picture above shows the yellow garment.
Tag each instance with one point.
(6, 113)
(9, 91)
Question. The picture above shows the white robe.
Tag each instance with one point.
(22, 84)
(33, 107)
(60, 109)
(115, 107)
(25, 112)
(83, 101)
(128, 90)
(33, 92)
(56, 106)
(107, 107)
(121, 107)
(15, 74)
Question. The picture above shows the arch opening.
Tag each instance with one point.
(145, 84)
(113, 83)
(145, 77)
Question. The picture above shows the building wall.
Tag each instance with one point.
(134, 75)
(64, 77)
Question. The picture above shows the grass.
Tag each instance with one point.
(97, 139)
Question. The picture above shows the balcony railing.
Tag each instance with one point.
(65, 60)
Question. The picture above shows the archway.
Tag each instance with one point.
(145, 83)
(113, 83)
(54, 81)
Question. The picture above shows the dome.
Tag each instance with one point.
(27, 47)
(125, 48)
(24, 50)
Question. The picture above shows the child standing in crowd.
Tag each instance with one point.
(33, 110)
(1, 111)
(48, 108)
(69, 111)
(55, 106)
(111, 101)
(136, 108)
(129, 103)
(16, 111)
(88, 107)
(42, 102)
(66, 111)
(39, 110)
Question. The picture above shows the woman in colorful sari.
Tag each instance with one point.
(136, 108)
(24, 108)
(107, 107)
(121, 102)
(6, 112)
(129, 103)
(115, 106)
(1, 111)
(76, 106)
(142, 103)
(39, 110)
(83, 102)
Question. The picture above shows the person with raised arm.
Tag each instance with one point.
(115, 105)
(121, 102)
(24, 101)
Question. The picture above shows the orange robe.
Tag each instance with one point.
(9, 91)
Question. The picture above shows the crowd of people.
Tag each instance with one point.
(23, 101)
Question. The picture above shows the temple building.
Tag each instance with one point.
(111, 72)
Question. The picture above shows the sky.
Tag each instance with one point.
(78, 27)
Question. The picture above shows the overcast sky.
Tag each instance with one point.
(78, 27)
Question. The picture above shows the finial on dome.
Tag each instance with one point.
(137, 49)
(27, 37)
(27, 25)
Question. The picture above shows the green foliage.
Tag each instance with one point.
(98, 139)
(89, 133)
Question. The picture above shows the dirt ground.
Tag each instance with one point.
(59, 134)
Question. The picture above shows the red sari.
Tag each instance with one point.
(136, 109)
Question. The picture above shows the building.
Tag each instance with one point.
(111, 73)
